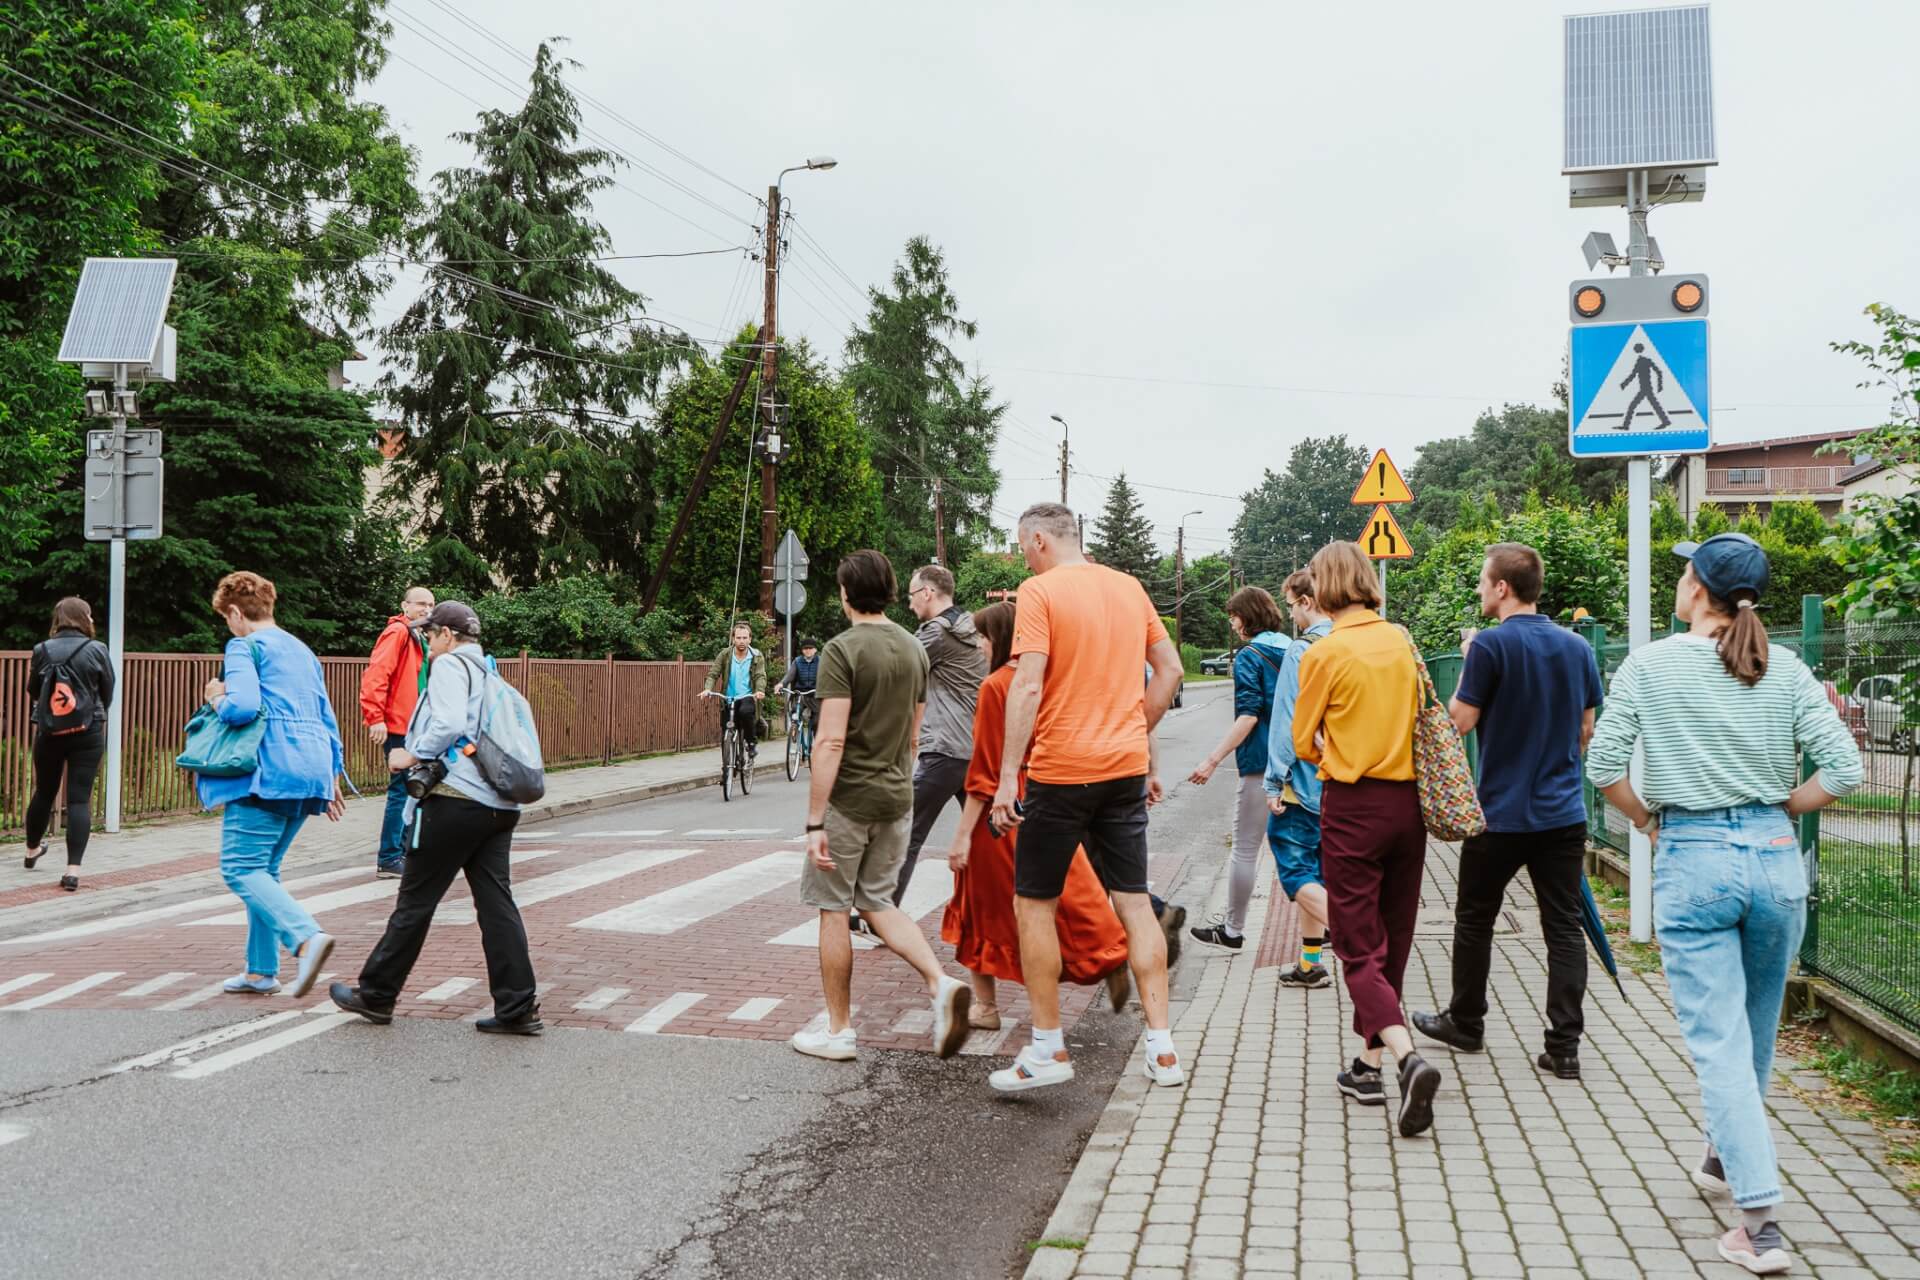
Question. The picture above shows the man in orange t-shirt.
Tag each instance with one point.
(1080, 633)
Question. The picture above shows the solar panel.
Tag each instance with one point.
(118, 310)
(1639, 90)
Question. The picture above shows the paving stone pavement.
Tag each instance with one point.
(1258, 1168)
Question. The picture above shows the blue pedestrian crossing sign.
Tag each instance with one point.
(1639, 387)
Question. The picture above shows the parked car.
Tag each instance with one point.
(1888, 704)
(1219, 664)
(1177, 689)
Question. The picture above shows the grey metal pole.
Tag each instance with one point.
(1383, 588)
(1639, 579)
(117, 602)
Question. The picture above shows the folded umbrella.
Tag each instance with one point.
(1597, 934)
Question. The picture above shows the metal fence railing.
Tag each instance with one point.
(593, 711)
(1863, 853)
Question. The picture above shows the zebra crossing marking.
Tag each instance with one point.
(650, 1022)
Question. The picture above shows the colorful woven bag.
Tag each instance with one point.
(1449, 801)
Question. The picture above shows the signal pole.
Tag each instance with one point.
(939, 525)
(769, 381)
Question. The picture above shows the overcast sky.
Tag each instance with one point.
(1354, 212)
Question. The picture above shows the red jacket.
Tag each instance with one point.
(391, 685)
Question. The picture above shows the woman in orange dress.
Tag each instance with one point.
(979, 921)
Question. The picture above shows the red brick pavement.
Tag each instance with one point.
(727, 958)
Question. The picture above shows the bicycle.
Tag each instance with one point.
(800, 712)
(733, 753)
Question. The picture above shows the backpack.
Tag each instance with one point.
(67, 703)
(506, 743)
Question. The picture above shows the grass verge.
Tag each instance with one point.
(1055, 1242)
(1888, 1100)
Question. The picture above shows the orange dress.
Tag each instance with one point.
(979, 921)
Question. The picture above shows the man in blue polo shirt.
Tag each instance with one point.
(1530, 687)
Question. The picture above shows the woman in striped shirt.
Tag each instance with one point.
(1724, 716)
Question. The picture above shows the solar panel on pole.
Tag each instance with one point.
(118, 311)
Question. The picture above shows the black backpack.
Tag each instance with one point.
(67, 703)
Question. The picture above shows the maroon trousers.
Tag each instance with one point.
(1373, 849)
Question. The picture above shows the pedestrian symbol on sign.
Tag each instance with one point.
(1647, 372)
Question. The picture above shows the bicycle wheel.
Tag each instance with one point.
(728, 752)
(746, 771)
(793, 749)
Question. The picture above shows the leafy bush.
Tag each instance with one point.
(576, 617)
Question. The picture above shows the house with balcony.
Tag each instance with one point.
(1759, 473)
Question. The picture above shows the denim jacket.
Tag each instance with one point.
(300, 753)
(1283, 764)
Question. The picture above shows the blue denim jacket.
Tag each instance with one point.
(1255, 680)
(300, 754)
(1283, 765)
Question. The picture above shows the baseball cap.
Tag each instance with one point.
(455, 617)
(1726, 563)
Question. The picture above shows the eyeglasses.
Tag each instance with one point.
(917, 590)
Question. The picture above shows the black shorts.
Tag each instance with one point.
(1109, 817)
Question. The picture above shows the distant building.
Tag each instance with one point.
(1875, 478)
(1759, 473)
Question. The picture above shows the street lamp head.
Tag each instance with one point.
(1057, 418)
(821, 162)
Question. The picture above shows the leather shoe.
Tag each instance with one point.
(350, 999)
(527, 1026)
(1567, 1066)
(1439, 1026)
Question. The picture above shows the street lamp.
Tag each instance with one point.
(1180, 578)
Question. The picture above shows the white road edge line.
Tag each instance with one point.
(206, 1040)
(259, 1048)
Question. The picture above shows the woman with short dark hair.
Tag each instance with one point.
(70, 683)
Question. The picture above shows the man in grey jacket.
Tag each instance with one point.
(460, 825)
(955, 668)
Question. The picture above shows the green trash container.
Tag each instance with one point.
(1445, 669)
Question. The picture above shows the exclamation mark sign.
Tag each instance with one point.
(1383, 479)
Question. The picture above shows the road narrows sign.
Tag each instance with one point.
(1382, 539)
(1381, 483)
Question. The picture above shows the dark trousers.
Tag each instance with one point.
(456, 835)
(392, 850)
(936, 780)
(1554, 860)
(746, 714)
(78, 755)
(1373, 849)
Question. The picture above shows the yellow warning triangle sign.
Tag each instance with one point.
(1382, 538)
(1381, 483)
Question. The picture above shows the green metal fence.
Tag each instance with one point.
(1863, 853)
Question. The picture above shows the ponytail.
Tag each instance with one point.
(1743, 642)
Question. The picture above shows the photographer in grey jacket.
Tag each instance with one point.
(955, 670)
(459, 824)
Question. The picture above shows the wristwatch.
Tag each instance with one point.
(815, 826)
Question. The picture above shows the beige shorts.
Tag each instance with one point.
(866, 864)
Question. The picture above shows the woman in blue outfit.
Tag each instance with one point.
(269, 673)
(1724, 718)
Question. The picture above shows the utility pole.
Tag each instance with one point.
(1063, 460)
(939, 525)
(769, 381)
(1180, 583)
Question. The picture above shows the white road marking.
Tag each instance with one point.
(572, 880)
(152, 985)
(650, 1022)
(448, 989)
(206, 1040)
(602, 998)
(734, 831)
(58, 994)
(24, 980)
(486, 1010)
(192, 998)
(819, 1020)
(914, 1022)
(676, 908)
(606, 835)
(193, 907)
(932, 885)
(352, 895)
(985, 1044)
(11, 1133)
(260, 1048)
(755, 1009)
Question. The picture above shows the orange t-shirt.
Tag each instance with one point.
(1095, 625)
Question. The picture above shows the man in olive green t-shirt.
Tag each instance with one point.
(873, 692)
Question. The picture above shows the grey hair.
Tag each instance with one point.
(1055, 519)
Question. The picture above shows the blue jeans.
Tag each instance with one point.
(253, 841)
(1729, 908)
(393, 850)
(1294, 837)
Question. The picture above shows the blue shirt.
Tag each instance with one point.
(300, 752)
(1254, 681)
(740, 676)
(1283, 765)
(1532, 680)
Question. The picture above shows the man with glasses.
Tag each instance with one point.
(395, 675)
(955, 670)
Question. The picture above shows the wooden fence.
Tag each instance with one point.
(588, 711)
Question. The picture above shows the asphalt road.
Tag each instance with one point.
(422, 1149)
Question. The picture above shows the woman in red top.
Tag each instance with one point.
(979, 922)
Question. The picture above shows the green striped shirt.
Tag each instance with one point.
(1712, 742)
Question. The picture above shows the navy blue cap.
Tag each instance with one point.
(1726, 563)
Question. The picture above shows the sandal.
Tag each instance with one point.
(984, 1017)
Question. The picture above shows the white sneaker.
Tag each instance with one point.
(835, 1046)
(951, 1025)
(1031, 1071)
(1164, 1076)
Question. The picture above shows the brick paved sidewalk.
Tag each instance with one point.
(1259, 1168)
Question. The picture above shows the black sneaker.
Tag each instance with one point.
(350, 999)
(1172, 924)
(1711, 1176)
(1565, 1066)
(1216, 935)
(527, 1026)
(1362, 1083)
(1306, 976)
(1419, 1081)
(1440, 1026)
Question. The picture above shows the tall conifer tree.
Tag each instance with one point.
(1122, 537)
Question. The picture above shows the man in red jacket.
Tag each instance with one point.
(388, 692)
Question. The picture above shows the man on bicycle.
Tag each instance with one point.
(739, 672)
(803, 673)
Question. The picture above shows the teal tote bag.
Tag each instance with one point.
(216, 749)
